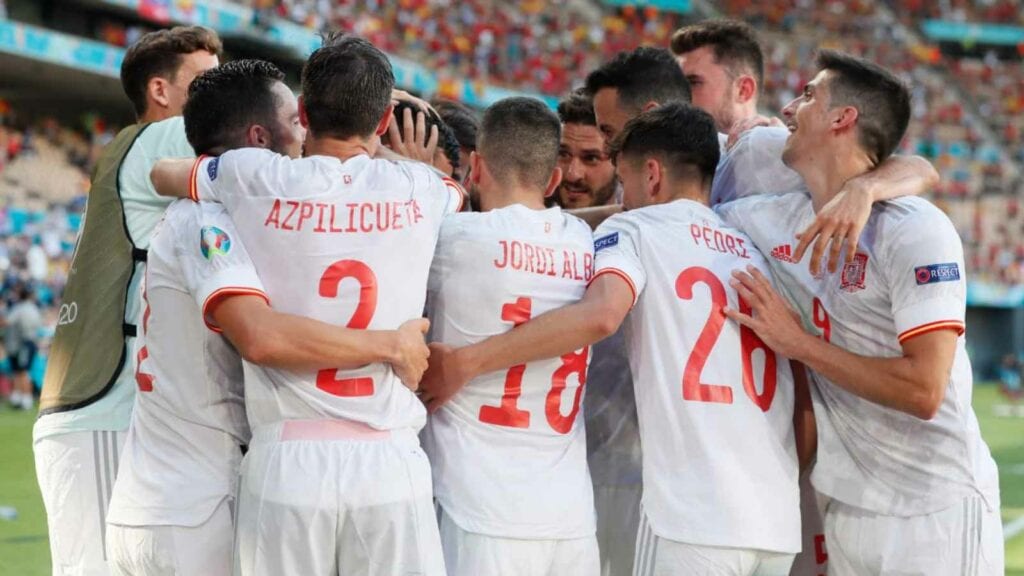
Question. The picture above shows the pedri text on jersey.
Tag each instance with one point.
(349, 218)
(718, 241)
(542, 260)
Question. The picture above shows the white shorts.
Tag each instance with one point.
(657, 556)
(618, 518)
(173, 550)
(76, 472)
(813, 558)
(471, 554)
(963, 540)
(326, 497)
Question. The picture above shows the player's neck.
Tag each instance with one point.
(693, 192)
(156, 114)
(340, 149)
(826, 175)
(508, 196)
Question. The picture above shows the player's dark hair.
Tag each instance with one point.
(346, 87)
(445, 136)
(224, 102)
(519, 140)
(159, 54)
(577, 108)
(733, 42)
(882, 100)
(644, 75)
(682, 136)
(460, 119)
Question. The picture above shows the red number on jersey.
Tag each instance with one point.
(327, 379)
(749, 341)
(145, 381)
(821, 320)
(508, 414)
(693, 389)
(572, 363)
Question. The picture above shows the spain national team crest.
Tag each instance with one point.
(213, 242)
(854, 272)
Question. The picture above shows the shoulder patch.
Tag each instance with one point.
(211, 168)
(606, 241)
(948, 272)
(213, 242)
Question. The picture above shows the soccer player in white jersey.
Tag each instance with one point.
(914, 489)
(86, 407)
(716, 406)
(340, 237)
(172, 506)
(509, 450)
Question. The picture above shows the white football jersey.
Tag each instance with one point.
(906, 279)
(754, 166)
(509, 450)
(183, 449)
(348, 243)
(715, 405)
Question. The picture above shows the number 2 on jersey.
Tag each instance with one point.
(508, 413)
(693, 388)
(327, 379)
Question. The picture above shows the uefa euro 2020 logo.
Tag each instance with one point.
(213, 241)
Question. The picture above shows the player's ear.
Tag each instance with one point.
(746, 88)
(382, 126)
(843, 118)
(156, 89)
(556, 179)
(258, 137)
(653, 178)
(303, 116)
(650, 106)
(474, 168)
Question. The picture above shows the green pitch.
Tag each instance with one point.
(23, 543)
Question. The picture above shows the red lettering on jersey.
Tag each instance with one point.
(351, 228)
(294, 207)
(820, 553)
(275, 215)
(396, 223)
(528, 254)
(743, 249)
(588, 266)
(551, 261)
(304, 214)
(718, 241)
(504, 252)
(416, 214)
(363, 225)
(320, 217)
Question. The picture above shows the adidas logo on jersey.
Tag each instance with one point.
(783, 253)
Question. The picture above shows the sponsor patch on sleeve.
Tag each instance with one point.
(211, 168)
(948, 272)
(606, 241)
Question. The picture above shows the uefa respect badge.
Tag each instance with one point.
(213, 242)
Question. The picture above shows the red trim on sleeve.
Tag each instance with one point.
(222, 293)
(193, 185)
(620, 274)
(458, 190)
(931, 327)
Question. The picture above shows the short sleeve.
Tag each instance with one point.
(925, 267)
(234, 174)
(214, 261)
(616, 251)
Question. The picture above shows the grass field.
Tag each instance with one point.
(23, 542)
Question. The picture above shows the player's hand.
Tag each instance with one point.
(771, 318)
(841, 220)
(411, 352)
(742, 126)
(411, 139)
(401, 95)
(443, 379)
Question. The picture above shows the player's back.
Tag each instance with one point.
(347, 243)
(182, 453)
(509, 450)
(715, 405)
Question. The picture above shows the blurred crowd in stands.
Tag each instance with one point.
(44, 177)
(968, 111)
